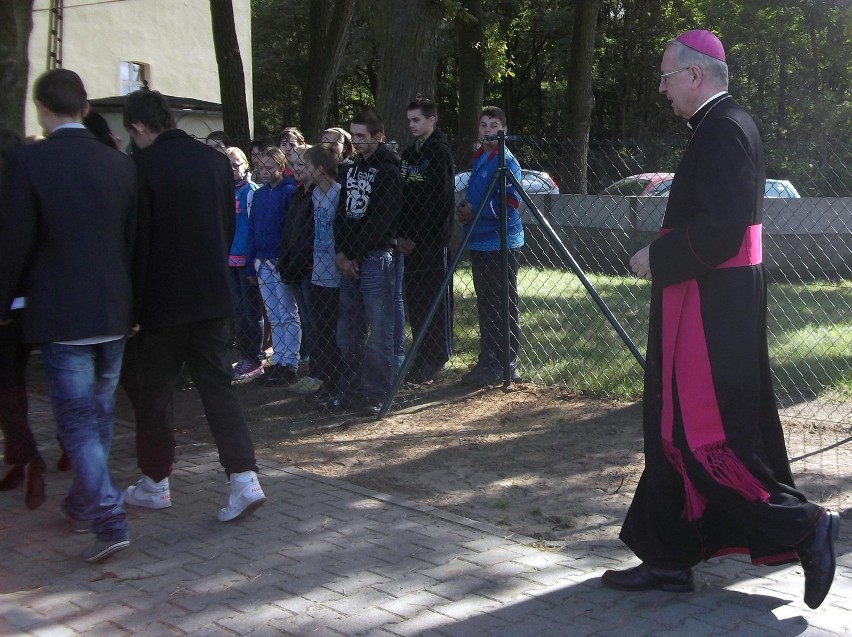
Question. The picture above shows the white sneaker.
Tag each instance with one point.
(305, 385)
(149, 494)
(245, 496)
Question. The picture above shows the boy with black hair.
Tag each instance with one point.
(184, 303)
(364, 231)
(485, 259)
(424, 233)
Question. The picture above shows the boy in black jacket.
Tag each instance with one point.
(364, 229)
(424, 232)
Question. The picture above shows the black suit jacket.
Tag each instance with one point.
(67, 227)
(186, 225)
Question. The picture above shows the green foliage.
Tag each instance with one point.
(280, 50)
(790, 65)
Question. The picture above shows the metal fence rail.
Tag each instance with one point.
(567, 342)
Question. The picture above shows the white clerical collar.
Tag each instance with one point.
(709, 99)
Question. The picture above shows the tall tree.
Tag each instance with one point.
(16, 24)
(329, 26)
(470, 31)
(580, 98)
(232, 81)
(407, 36)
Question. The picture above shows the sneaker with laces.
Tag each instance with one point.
(102, 549)
(306, 385)
(149, 494)
(247, 369)
(244, 497)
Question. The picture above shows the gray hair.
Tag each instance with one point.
(716, 70)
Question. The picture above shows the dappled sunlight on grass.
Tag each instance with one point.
(566, 340)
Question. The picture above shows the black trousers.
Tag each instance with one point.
(19, 444)
(487, 268)
(325, 353)
(425, 269)
(150, 374)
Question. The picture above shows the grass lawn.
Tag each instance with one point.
(567, 341)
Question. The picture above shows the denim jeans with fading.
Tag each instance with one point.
(283, 314)
(366, 329)
(82, 380)
(398, 307)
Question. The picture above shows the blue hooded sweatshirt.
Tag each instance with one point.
(266, 221)
(486, 233)
(237, 253)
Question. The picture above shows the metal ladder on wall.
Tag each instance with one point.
(54, 35)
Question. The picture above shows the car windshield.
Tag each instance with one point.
(780, 188)
(629, 187)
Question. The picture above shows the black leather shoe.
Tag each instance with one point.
(817, 557)
(646, 578)
(14, 478)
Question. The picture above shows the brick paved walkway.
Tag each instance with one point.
(324, 557)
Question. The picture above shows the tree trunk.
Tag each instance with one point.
(232, 81)
(470, 31)
(16, 23)
(580, 97)
(329, 27)
(407, 36)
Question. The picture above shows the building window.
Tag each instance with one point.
(133, 75)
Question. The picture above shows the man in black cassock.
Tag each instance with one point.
(717, 479)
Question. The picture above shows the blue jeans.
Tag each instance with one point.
(248, 317)
(366, 329)
(82, 380)
(283, 314)
(398, 307)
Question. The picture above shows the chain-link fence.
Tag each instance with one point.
(566, 341)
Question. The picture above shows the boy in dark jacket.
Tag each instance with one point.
(424, 232)
(364, 229)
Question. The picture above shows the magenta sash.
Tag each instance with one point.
(685, 358)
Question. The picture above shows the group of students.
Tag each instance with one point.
(116, 268)
(341, 236)
(128, 269)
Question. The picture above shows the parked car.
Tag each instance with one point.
(534, 182)
(659, 185)
(780, 189)
(644, 185)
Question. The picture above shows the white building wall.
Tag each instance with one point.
(172, 37)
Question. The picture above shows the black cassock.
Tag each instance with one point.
(717, 479)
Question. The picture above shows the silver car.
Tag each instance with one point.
(534, 182)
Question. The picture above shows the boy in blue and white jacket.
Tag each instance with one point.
(266, 225)
(485, 259)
